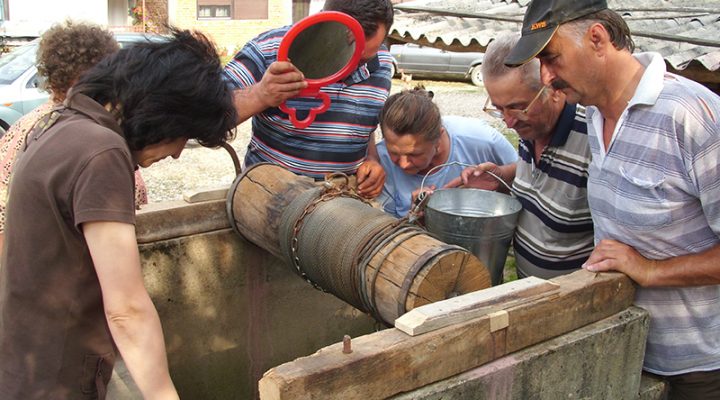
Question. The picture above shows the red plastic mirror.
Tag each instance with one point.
(326, 47)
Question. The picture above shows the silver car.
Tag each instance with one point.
(421, 60)
(20, 85)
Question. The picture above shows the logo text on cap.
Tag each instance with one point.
(538, 25)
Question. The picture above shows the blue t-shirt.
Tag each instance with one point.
(472, 141)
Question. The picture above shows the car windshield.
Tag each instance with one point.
(14, 63)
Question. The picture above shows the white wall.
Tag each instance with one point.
(172, 11)
(316, 5)
(30, 18)
(118, 13)
(51, 11)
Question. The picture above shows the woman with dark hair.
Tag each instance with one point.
(68, 300)
(61, 65)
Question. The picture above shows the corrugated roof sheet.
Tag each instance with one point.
(683, 31)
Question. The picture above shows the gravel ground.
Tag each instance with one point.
(201, 168)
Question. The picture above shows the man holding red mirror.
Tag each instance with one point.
(340, 139)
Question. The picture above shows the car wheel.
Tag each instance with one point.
(476, 76)
(393, 70)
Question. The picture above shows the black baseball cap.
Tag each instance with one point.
(542, 20)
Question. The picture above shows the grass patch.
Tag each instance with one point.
(510, 270)
(509, 134)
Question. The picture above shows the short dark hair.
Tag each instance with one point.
(67, 50)
(165, 91)
(369, 13)
(614, 24)
(412, 112)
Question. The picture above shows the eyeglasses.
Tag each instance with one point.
(512, 112)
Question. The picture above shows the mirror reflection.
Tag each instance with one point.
(322, 49)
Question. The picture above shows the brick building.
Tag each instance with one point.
(230, 23)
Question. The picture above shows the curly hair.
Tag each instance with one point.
(165, 91)
(412, 112)
(67, 50)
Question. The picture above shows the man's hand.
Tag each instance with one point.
(428, 190)
(281, 81)
(420, 198)
(475, 177)
(370, 178)
(611, 255)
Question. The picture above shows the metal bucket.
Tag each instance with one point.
(481, 221)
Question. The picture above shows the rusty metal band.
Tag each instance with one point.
(403, 230)
(367, 235)
(407, 233)
(360, 260)
(401, 227)
(233, 156)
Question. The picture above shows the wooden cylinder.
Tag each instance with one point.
(256, 202)
(438, 271)
(409, 269)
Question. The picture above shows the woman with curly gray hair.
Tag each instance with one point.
(69, 49)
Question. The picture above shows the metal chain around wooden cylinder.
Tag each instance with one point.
(335, 240)
(329, 233)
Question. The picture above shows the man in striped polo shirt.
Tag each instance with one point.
(554, 235)
(340, 139)
(654, 186)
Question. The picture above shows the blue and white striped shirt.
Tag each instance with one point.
(657, 189)
(338, 138)
(554, 235)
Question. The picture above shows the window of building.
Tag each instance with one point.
(213, 11)
(232, 9)
(301, 9)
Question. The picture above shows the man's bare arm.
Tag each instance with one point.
(281, 81)
(698, 269)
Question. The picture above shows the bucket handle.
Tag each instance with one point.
(422, 183)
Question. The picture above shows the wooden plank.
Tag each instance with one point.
(170, 220)
(197, 196)
(389, 362)
(434, 316)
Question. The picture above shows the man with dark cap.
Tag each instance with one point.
(653, 187)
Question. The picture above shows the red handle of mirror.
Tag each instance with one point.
(304, 123)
